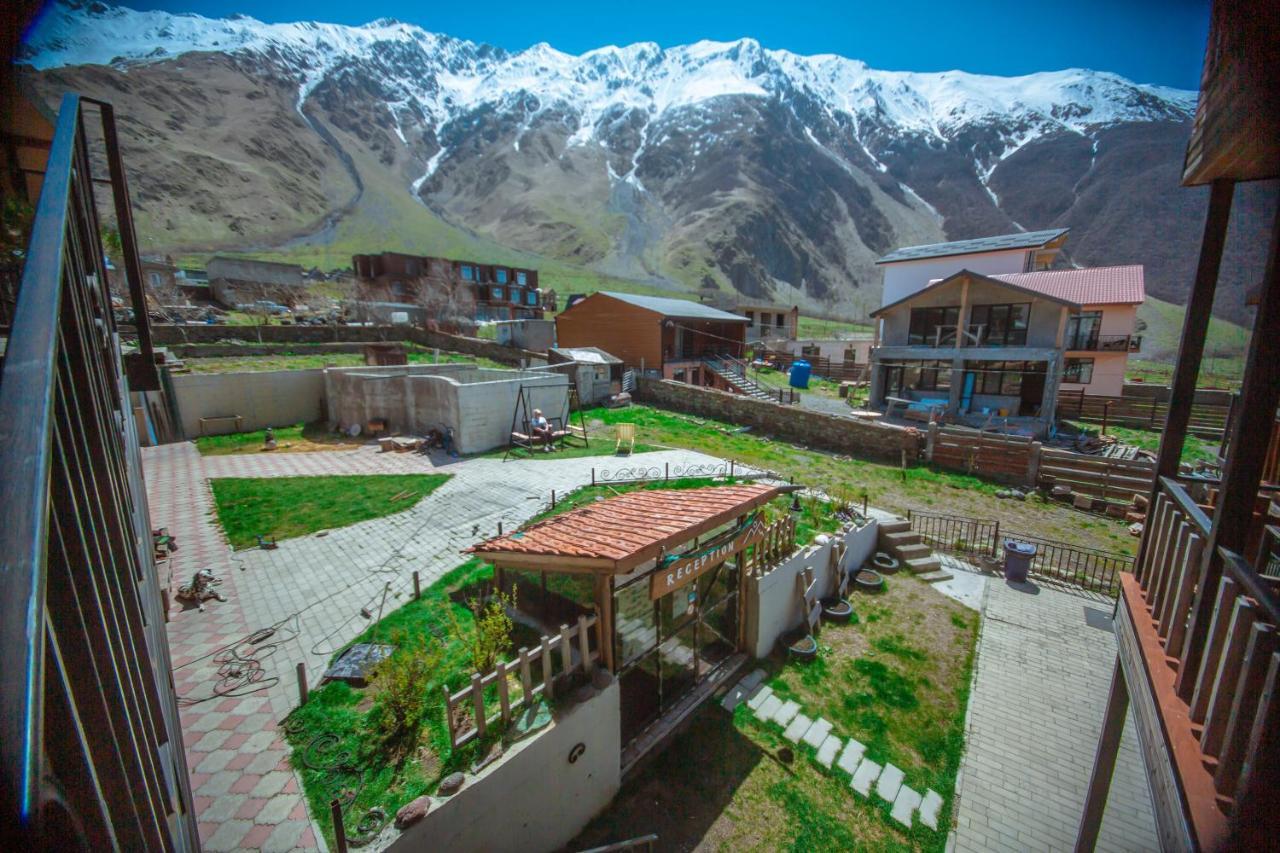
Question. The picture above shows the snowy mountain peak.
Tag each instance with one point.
(448, 75)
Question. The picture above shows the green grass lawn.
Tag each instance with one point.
(285, 507)
(885, 485)
(818, 328)
(300, 359)
(312, 436)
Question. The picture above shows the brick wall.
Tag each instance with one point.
(866, 440)
(166, 335)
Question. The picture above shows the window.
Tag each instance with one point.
(522, 279)
(155, 279)
(1082, 330)
(810, 351)
(933, 326)
(997, 377)
(500, 276)
(468, 273)
(1078, 370)
(1000, 325)
(495, 294)
(532, 297)
(782, 320)
(934, 376)
(397, 288)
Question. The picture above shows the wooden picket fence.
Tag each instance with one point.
(778, 542)
(1001, 457)
(471, 698)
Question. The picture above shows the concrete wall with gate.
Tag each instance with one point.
(272, 398)
(533, 797)
(773, 600)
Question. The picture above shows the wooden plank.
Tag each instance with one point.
(566, 650)
(477, 697)
(526, 677)
(584, 646)
(1244, 707)
(545, 650)
(1185, 594)
(1223, 608)
(504, 700)
(1227, 677)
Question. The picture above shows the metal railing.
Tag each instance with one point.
(1103, 343)
(1086, 568)
(91, 752)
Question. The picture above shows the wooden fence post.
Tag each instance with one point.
(566, 650)
(584, 645)
(1033, 464)
(526, 677)
(931, 441)
(477, 699)
(448, 714)
(417, 585)
(503, 698)
(302, 683)
(548, 689)
(339, 829)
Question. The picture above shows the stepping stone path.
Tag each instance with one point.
(849, 757)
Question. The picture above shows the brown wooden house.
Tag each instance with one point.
(482, 292)
(674, 338)
(1198, 660)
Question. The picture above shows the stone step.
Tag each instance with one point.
(936, 577)
(890, 781)
(769, 708)
(923, 565)
(866, 773)
(899, 538)
(817, 733)
(929, 808)
(896, 526)
(828, 750)
(759, 696)
(798, 727)
(904, 805)
(851, 757)
(914, 551)
(789, 711)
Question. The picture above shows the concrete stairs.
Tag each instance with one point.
(733, 373)
(898, 539)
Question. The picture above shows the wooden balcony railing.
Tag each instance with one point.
(1214, 718)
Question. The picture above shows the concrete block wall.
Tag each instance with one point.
(267, 399)
(864, 439)
(533, 797)
(773, 603)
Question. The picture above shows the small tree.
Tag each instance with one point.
(400, 682)
(490, 638)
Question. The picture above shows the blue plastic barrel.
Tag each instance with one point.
(800, 373)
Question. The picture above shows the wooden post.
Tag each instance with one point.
(1033, 464)
(504, 699)
(566, 651)
(1106, 410)
(548, 686)
(1104, 761)
(526, 677)
(584, 645)
(553, 498)
(301, 669)
(604, 619)
(448, 715)
(339, 829)
(477, 699)
(417, 585)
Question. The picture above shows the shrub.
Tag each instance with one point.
(490, 640)
(400, 683)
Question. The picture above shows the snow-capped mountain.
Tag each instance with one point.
(716, 165)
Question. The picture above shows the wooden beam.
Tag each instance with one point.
(1104, 762)
(1242, 475)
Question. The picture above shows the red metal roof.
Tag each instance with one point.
(1122, 285)
(622, 532)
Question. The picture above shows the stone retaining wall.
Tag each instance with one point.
(864, 439)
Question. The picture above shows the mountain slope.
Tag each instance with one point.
(713, 165)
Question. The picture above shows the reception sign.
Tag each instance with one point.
(682, 570)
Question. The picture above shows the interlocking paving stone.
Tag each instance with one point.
(866, 773)
(769, 708)
(890, 782)
(785, 714)
(904, 805)
(1041, 678)
(851, 757)
(817, 733)
(827, 752)
(799, 725)
(297, 583)
(759, 697)
(930, 805)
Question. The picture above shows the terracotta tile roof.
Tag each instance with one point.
(621, 532)
(1121, 285)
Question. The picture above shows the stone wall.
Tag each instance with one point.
(168, 335)
(273, 398)
(864, 439)
(538, 795)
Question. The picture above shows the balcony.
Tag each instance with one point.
(1203, 695)
(1103, 343)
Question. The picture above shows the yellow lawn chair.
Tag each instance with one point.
(627, 437)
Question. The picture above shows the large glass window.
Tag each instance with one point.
(1082, 330)
(1000, 325)
(934, 326)
(495, 294)
(468, 273)
(998, 377)
(500, 275)
(532, 297)
(522, 279)
(1078, 370)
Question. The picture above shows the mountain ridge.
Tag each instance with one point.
(719, 165)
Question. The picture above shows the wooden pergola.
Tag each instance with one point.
(623, 535)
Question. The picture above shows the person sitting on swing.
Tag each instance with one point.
(541, 429)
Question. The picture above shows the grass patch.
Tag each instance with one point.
(336, 723)
(885, 485)
(285, 507)
(296, 438)
(1194, 447)
(299, 358)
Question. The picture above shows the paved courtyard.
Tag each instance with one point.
(1042, 674)
(309, 593)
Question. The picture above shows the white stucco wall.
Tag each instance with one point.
(532, 798)
(1108, 367)
(773, 603)
(833, 348)
(906, 277)
(273, 398)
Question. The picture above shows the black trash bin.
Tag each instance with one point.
(1017, 559)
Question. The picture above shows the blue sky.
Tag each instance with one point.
(1149, 41)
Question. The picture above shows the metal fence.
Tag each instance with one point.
(1062, 562)
(667, 472)
(91, 751)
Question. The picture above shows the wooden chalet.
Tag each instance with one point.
(1198, 658)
